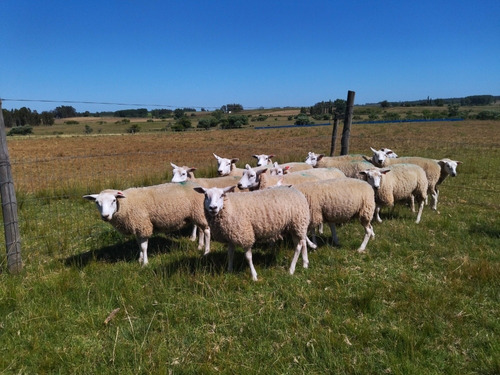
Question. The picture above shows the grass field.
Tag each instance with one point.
(423, 299)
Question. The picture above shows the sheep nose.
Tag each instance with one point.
(105, 217)
(453, 174)
(240, 186)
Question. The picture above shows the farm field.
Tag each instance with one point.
(423, 299)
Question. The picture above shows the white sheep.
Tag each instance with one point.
(398, 183)
(390, 154)
(263, 159)
(181, 174)
(338, 201)
(322, 161)
(227, 167)
(431, 167)
(241, 219)
(258, 179)
(140, 211)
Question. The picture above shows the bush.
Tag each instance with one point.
(135, 128)
(21, 130)
(488, 115)
(302, 119)
(71, 122)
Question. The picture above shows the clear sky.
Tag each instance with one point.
(256, 53)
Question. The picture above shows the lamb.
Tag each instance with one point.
(397, 183)
(280, 170)
(431, 167)
(322, 161)
(241, 219)
(258, 180)
(140, 211)
(338, 201)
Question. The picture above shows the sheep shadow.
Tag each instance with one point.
(215, 263)
(127, 251)
(484, 230)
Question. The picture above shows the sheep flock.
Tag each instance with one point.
(271, 202)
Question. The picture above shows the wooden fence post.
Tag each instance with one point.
(334, 133)
(9, 205)
(347, 123)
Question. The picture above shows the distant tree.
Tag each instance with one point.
(134, 128)
(88, 129)
(233, 108)
(64, 111)
(340, 106)
(21, 130)
(182, 123)
(385, 104)
(179, 113)
(47, 118)
(439, 102)
(207, 122)
(217, 114)
(7, 118)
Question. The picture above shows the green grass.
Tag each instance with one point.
(423, 299)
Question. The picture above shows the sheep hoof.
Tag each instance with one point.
(361, 251)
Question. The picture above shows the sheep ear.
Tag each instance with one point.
(255, 156)
(191, 169)
(260, 171)
(321, 156)
(248, 167)
(367, 158)
(458, 162)
(234, 160)
(199, 189)
(119, 194)
(173, 165)
(228, 189)
(217, 157)
(384, 171)
(373, 150)
(90, 197)
(287, 167)
(271, 156)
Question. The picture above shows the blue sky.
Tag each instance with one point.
(256, 53)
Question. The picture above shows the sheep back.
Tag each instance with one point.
(262, 215)
(165, 207)
(403, 181)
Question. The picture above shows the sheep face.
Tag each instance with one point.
(214, 198)
(181, 174)
(224, 165)
(313, 159)
(390, 154)
(250, 178)
(276, 170)
(374, 176)
(263, 159)
(378, 157)
(106, 202)
(449, 166)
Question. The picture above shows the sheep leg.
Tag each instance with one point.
(311, 244)
(377, 214)
(368, 233)
(206, 233)
(412, 203)
(143, 256)
(320, 228)
(335, 240)
(305, 258)
(193, 233)
(435, 195)
(201, 239)
(420, 209)
(248, 255)
(230, 257)
(298, 246)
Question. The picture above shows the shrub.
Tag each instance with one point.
(21, 130)
(71, 122)
(135, 128)
(488, 115)
(302, 119)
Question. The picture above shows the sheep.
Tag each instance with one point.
(390, 154)
(322, 161)
(258, 180)
(181, 174)
(263, 159)
(140, 211)
(431, 167)
(397, 183)
(241, 219)
(227, 167)
(280, 170)
(339, 200)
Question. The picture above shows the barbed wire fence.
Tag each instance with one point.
(55, 197)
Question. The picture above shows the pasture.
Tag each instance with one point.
(423, 299)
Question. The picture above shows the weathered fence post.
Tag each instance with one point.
(9, 205)
(344, 150)
(334, 133)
